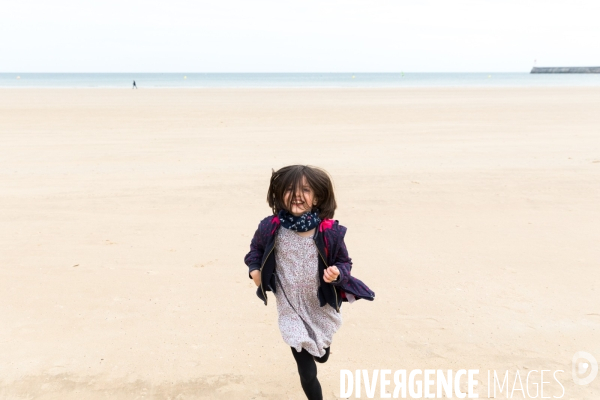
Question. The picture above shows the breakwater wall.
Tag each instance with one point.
(565, 70)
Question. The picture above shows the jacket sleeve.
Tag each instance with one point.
(257, 249)
(342, 261)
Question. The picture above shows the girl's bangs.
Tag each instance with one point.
(292, 181)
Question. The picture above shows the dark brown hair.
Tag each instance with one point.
(291, 176)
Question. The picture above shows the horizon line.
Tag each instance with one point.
(277, 72)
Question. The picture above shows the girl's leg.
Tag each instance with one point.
(324, 358)
(308, 374)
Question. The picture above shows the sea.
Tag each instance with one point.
(292, 80)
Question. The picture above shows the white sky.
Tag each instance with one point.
(296, 36)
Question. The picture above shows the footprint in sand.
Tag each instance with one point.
(206, 264)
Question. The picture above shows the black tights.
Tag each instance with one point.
(308, 372)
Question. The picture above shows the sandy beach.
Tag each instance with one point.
(125, 216)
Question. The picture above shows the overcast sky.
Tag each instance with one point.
(297, 36)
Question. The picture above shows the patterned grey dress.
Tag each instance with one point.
(297, 274)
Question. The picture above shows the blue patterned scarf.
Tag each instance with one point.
(303, 223)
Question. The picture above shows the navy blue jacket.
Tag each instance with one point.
(329, 239)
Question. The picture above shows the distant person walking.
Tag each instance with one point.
(134, 85)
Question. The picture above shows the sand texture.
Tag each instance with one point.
(474, 215)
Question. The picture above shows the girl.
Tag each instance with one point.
(298, 253)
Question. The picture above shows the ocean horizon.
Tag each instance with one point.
(293, 80)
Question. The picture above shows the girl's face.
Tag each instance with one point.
(302, 201)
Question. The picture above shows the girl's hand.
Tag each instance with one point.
(255, 276)
(331, 274)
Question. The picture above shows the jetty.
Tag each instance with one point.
(565, 70)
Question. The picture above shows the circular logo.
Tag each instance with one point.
(584, 368)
